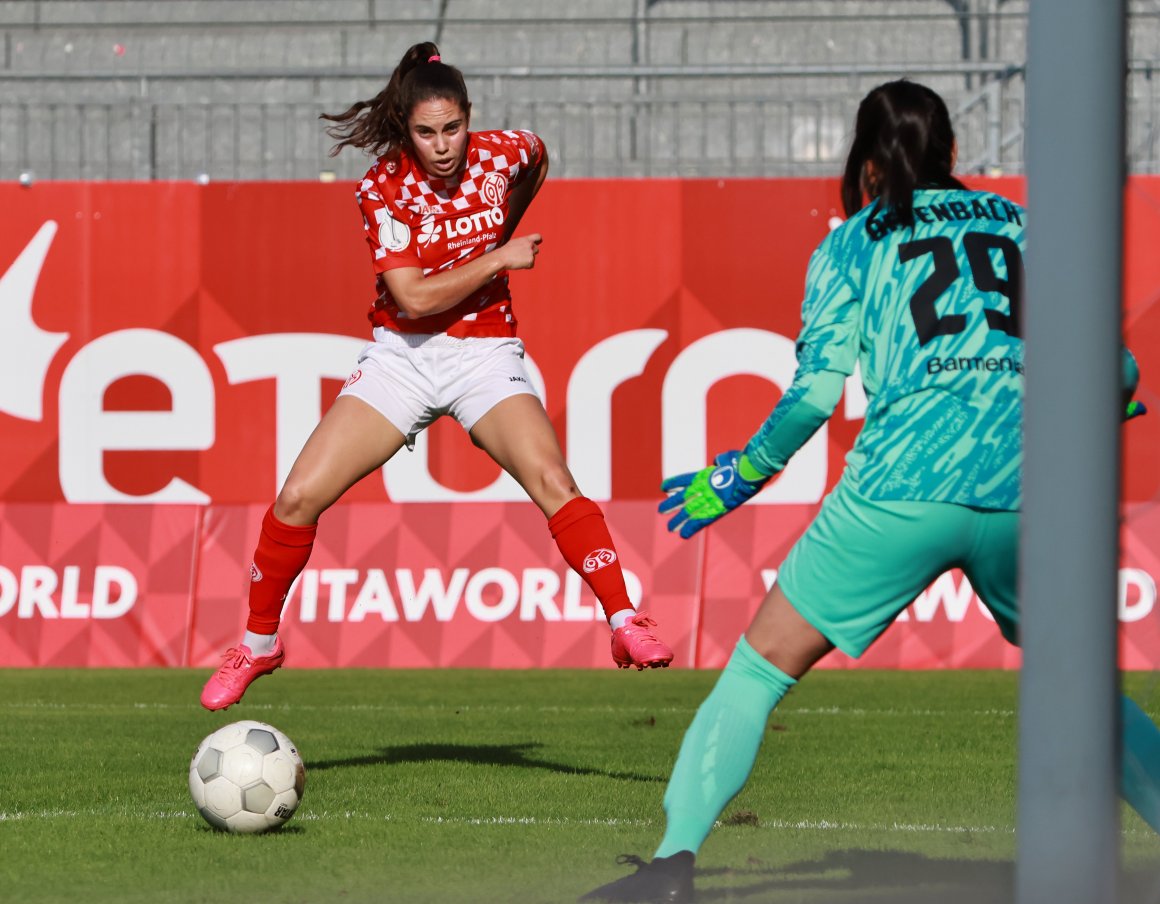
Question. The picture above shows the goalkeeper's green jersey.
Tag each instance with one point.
(931, 316)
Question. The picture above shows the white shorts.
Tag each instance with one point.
(413, 379)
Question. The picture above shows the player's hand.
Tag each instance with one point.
(701, 497)
(520, 253)
(1133, 409)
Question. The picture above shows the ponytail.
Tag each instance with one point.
(903, 140)
(379, 125)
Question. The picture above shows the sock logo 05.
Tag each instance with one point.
(255, 574)
(597, 559)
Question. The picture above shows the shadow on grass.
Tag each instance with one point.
(845, 877)
(860, 875)
(519, 755)
(269, 833)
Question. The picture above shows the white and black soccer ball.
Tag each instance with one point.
(246, 777)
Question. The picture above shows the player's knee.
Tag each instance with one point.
(296, 504)
(556, 481)
(551, 488)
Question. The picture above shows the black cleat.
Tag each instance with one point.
(666, 879)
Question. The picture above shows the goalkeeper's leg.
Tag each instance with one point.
(992, 573)
(1140, 762)
(722, 742)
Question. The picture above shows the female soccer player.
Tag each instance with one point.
(440, 207)
(921, 286)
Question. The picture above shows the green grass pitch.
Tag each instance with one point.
(473, 786)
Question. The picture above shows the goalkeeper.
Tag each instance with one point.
(921, 288)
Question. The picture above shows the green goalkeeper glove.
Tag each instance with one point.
(702, 497)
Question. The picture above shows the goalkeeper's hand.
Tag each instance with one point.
(701, 497)
(1129, 384)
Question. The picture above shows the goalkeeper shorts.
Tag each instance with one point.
(862, 561)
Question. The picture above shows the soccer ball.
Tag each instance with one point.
(246, 777)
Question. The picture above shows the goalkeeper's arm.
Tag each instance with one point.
(701, 497)
(801, 411)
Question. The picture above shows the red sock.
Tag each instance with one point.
(282, 553)
(579, 530)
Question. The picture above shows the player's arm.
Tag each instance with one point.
(524, 192)
(827, 351)
(420, 296)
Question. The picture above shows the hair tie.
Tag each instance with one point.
(434, 58)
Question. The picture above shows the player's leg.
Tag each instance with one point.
(518, 435)
(992, 573)
(350, 441)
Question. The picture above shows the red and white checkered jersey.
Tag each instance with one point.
(416, 220)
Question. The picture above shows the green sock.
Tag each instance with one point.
(1140, 762)
(720, 747)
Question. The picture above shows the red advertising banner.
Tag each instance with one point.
(94, 585)
(439, 585)
(166, 348)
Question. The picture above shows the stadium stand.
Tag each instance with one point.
(141, 89)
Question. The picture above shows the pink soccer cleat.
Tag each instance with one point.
(635, 645)
(236, 674)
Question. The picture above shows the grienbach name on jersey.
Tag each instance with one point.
(878, 227)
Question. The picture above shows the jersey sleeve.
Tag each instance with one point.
(827, 350)
(391, 242)
(806, 405)
(829, 336)
(530, 148)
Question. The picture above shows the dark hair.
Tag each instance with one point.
(379, 125)
(904, 131)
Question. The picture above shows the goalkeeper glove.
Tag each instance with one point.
(1129, 383)
(701, 497)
